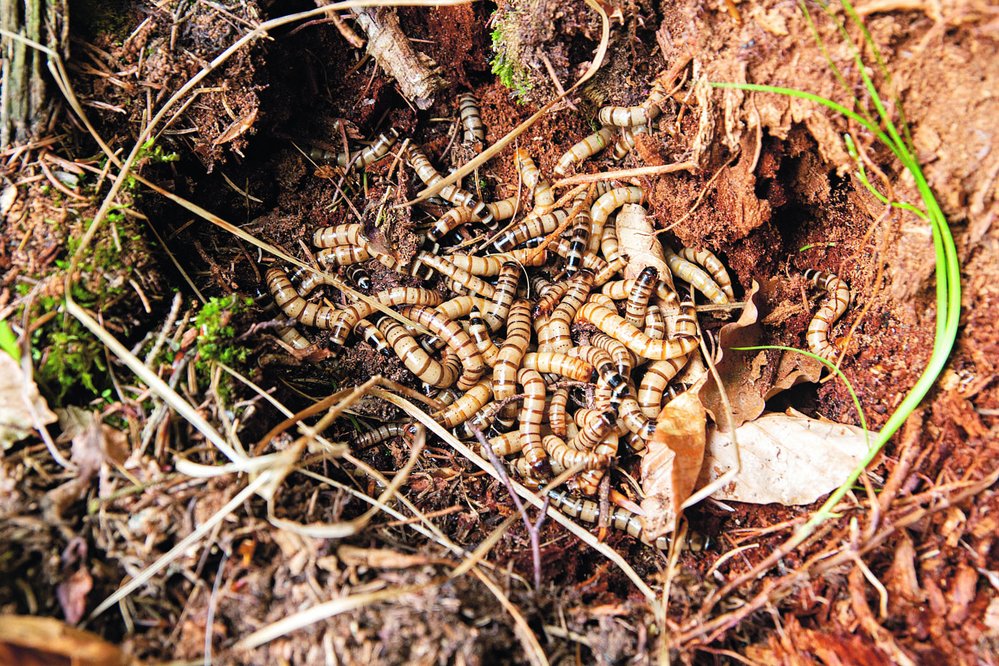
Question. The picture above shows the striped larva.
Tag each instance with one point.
(564, 456)
(579, 238)
(473, 365)
(370, 334)
(609, 245)
(532, 412)
(631, 415)
(511, 353)
(589, 481)
(465, 406)
(559, 335)
(503, 209)
(461, 306)
(426, 172)
(620, 290)
(341, 234)
(625, 141)
(556, 363)
(365, 157)
(461, 276)
(596, 425)
(623, 358)
(359, 275)
(590, 261)
(655, 323)
(342, 255)
(610, 270)
(589, 511)
(653, 386)
(712, 265)
(583, 150)
(506, 444)
(480, 336)
(831, 309)
(380, 434)
(414, 357)
(695, 276)
(471, 119)
(607, 204)
(480, 421)
(532, 226)
(635, 340)
(491, 264)
(544, 199)
(633, 116)
(505, 291)
(601, 299)
(638, 300)
(343, 321)
(550, 299)
(557, 412)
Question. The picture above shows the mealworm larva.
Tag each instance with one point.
(601, 299)
(341, 255)
(653, 386)
(377, 150)
(471, 120)
(595, 427)
(544, 199)
(359, 275)
(609, 245)
(559, 335)
(625, 141)
(506, 444)
(630, 413)
(579, 238)
(583, 150)
(610, 270)
(635, 340)
(532, 226)
(591, 262)
(550, 299)
(611, 385)
(380, 434)
(607, 204)
(480, 335)
(655, 323)
(633, 116)
(712, 265)
(473, 365)
(619, 290)
(343, 321)
(503, 209)
(341, 234)
(461, 306)
(564, 456)
(505, 291)
(559, 364)
(557, 412)
(491, 264)
(588, 482)
(293, 305)
(480, 421)
(465, 406)
(291, 337)
(532, 412)
(831, 309)
(694, 276)
(623, 358)
(370, 334)
(426, 172)
(638, 300)
(459, 275)
(511, 353)
(414, 357)
(589, 511)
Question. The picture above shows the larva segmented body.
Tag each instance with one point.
(491, 264)
(634, 339)
(503, 209)
(414, 357)
(623, 358)
(652, 388)
(610, 270)
(585, 149)
(607, 204)
(511, 353)
(595, 427)
(589, 481)
(609, 245)
(633, 116)
(558, 335)
(630, 413)
(601, 299)
(504, 293)
(655, 323)
(580, 235)
(831, 309)
(370, 334)
(465, 406)
(471, 119)
(341, 234)
(426, 172)
(694, 276)
(625, 141)
(459, 275)
(291, 337)
(380, 434)
(551, 298)
(377, 150)
(532, 226)
(712, 265)
(473, 365)
(342, 255)
(557, 412)
(590, 261)
(589, 511)
(480, 335)
(559, 364)
(343, 321)
(480, 421)
(506, 444)
(638, 300)
(359, 275)
(544, 199)
(565, 457)
(532, 412)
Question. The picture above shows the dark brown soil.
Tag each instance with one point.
(776, 197)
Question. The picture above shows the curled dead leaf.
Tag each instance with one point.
(788, 459)
(22, 409)
(37, 641)
(637, 239)
(671, 465)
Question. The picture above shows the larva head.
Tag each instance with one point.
(648, 276)
(541, 469)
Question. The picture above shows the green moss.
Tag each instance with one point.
(504, 65)
(216, 333)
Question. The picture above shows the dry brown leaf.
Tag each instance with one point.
(34, 641)
(638, 240)
(671, 465)
(792, 370)
(20, 404)
(788, 458)
(237, 128)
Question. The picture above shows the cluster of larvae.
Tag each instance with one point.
(542, 345)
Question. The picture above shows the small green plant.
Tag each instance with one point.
(216, 333)
(69, 358)
(8, 341)
(506, 68)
